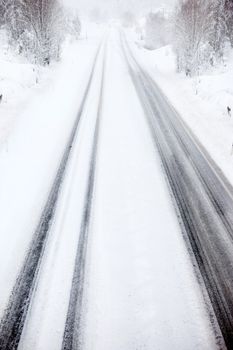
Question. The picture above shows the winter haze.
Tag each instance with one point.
(116, 174)
(114, 6)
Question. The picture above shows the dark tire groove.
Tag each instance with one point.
(72, 338)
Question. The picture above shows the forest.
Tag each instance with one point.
(37, 28)
(198, 30)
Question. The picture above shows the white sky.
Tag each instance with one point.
(112, 5)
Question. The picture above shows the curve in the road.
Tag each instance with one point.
(202, 195)
(12, 323)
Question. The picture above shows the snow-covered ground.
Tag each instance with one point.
(34, 127)
(141, 291)
(19, 83)
(202, 102)
(140, 288)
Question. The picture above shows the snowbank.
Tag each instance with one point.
(19, 83)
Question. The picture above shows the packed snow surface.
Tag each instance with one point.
(141, 291)
(140, 287)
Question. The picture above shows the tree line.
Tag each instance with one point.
(202, 29)
(37, 28)
(199, 31)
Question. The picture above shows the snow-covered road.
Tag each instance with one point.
(141, 292)
(202, 195)
(114, 272)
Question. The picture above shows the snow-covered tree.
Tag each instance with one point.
(3, 9)
(72, 24)
(218, 33)
(35, 28)
(157, 31)
(193, 25)
(229, 19)
(201, 31)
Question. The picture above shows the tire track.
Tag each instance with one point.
(72, 338)
(201, 194)
(13, 320)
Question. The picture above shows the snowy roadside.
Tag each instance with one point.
(30, 157)
(20, 81)
(205, 112)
